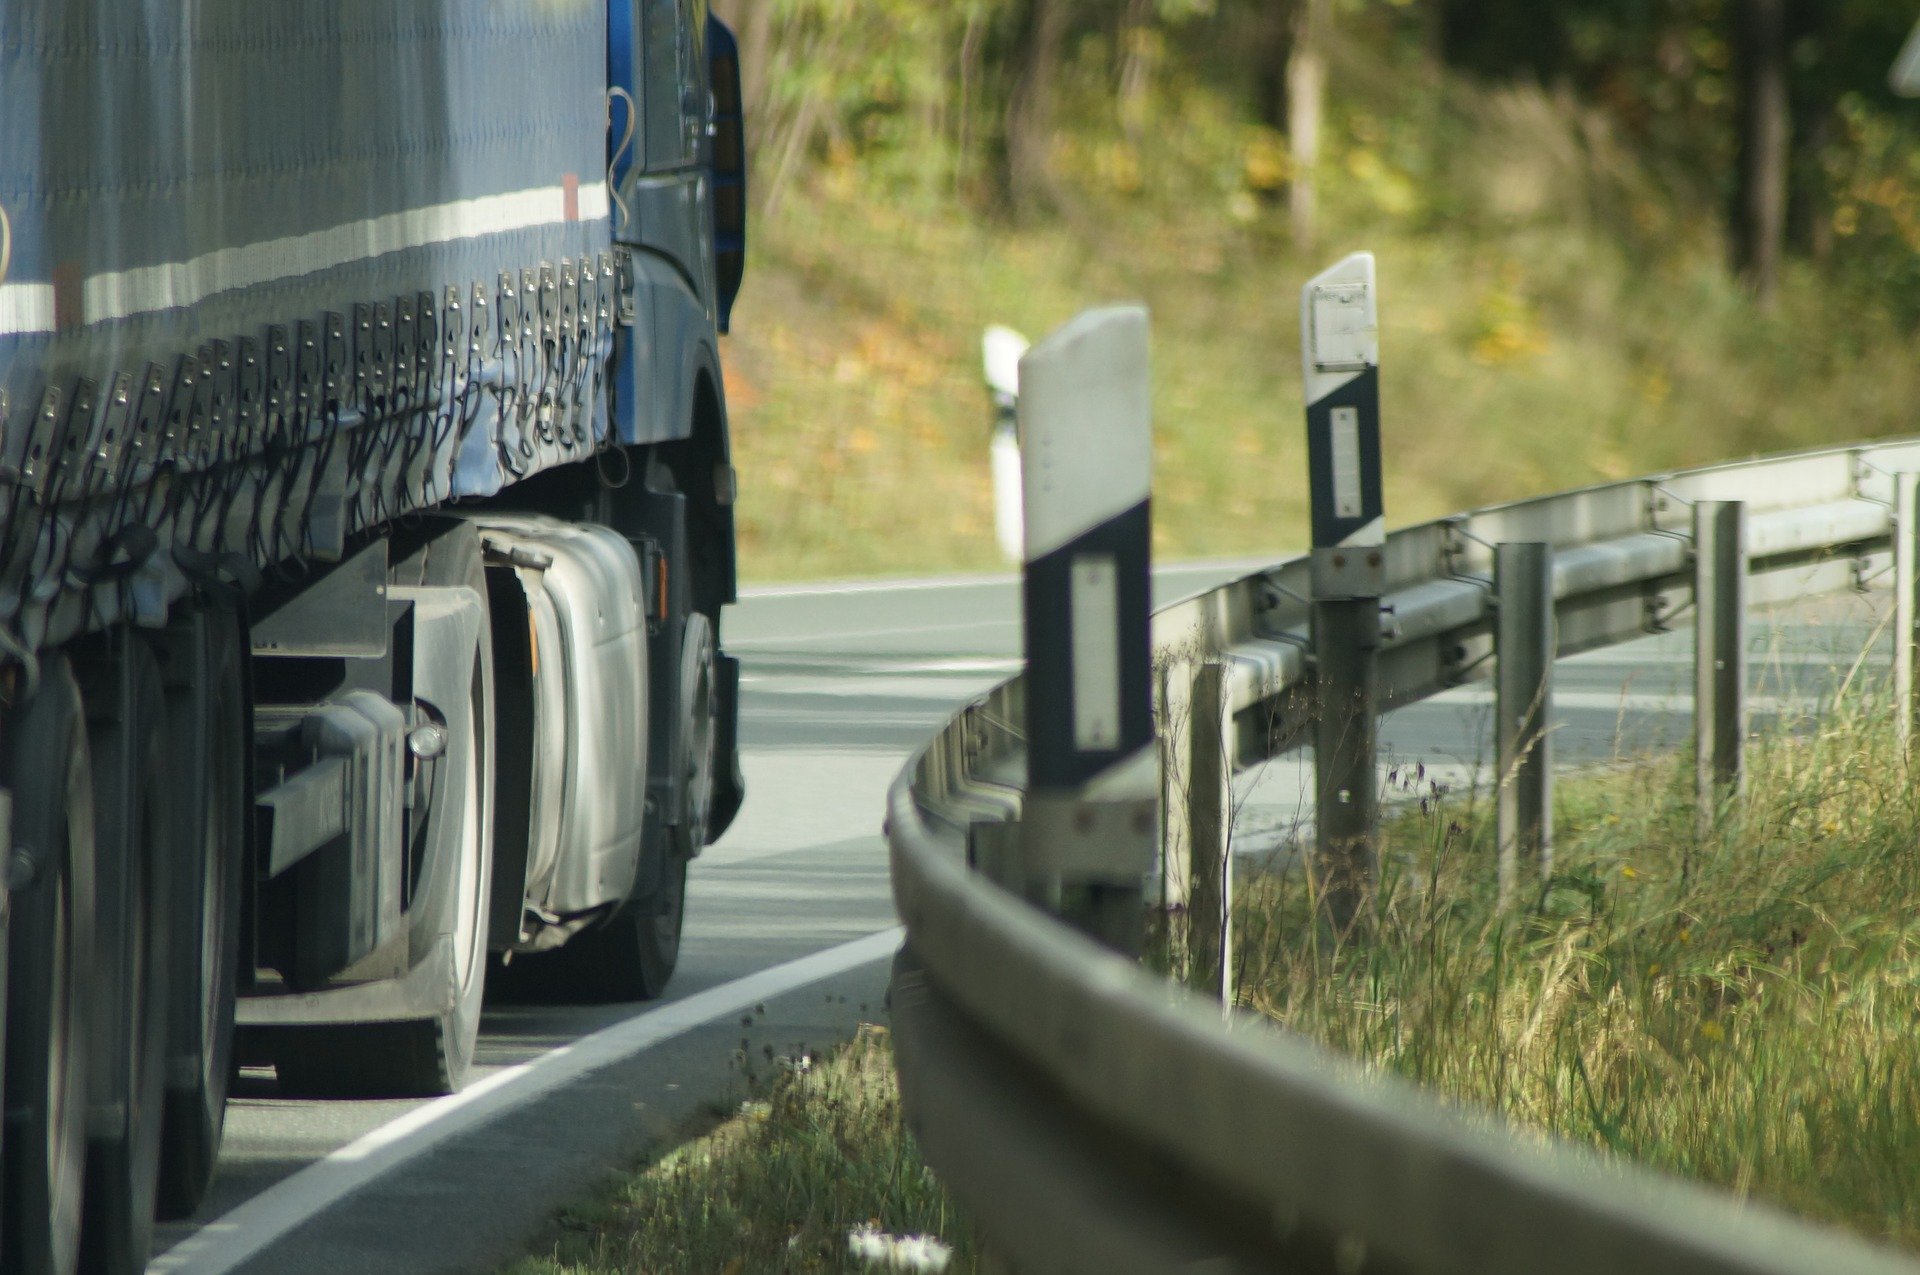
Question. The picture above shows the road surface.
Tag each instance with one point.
(790, 927)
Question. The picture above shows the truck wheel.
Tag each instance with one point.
(206, 711)
(126, 720)
(428, 1057)
(50, 979)
(629, 957)
(699, 736)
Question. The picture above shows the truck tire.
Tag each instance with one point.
(427, 1057)
(207, 719)
(126, 723)
(628, 957)
(699, 737)
(50, 978)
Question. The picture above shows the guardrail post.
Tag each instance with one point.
(1092, 792)
(1719, 655)
(1523, 705)
(1906, 605)
(1210, 836)
(1339, 331)
(1175, 721)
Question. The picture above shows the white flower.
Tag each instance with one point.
(917, 1253)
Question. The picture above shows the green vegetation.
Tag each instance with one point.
(777, 1187)
(1553, 236)
(1741, 1012)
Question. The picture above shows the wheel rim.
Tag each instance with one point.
(214, 917)
(65, 1121)
(468, 937)
(702, 735)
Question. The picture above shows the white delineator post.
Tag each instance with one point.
(1001, 350)
(1340, 357)
(1906, 607)
(1092, 787)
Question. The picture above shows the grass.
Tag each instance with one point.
(1554, 313)
(775, 1187)
(1742, 1012)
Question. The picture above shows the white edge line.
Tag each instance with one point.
(237, 1236)
(1245, 566)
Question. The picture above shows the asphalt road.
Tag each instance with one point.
(839, 685)
(789, 928)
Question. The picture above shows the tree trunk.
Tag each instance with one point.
(1760, 200)
(1031, 110)
(1136, 67)
(1275, 35)
(1809, 219)
(1306, 93)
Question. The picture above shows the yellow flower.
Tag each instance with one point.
(1713, 1032)
(1626, 870)
(1686, 934)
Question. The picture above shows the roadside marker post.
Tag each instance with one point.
(1523, 704)
(1001, 349)
(1088, 827)
(1906, 606)
(1340, 354)
(1719, 656)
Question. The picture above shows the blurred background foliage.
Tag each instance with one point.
(1614, 236)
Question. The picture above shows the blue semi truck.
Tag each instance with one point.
(365, 532)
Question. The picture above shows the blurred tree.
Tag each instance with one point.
(1759, 222)
(1027, 180)
(1306, 94)
(1290, 91)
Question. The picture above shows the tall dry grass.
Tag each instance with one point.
(1744, 1011)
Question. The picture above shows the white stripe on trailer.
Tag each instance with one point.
(27, 309)
(233, 1239)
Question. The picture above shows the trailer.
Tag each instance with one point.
(365, 535)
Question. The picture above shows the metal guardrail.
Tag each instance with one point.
(1094, 1118)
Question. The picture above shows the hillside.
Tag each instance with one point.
(1556, 310)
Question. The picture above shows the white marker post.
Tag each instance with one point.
(1087, 840)
(1001, 350)
(1340, 339)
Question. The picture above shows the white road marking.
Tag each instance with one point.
(233, 1239)
(749, 645)
(828, 588)
(1678, 701)
(1226, 568)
